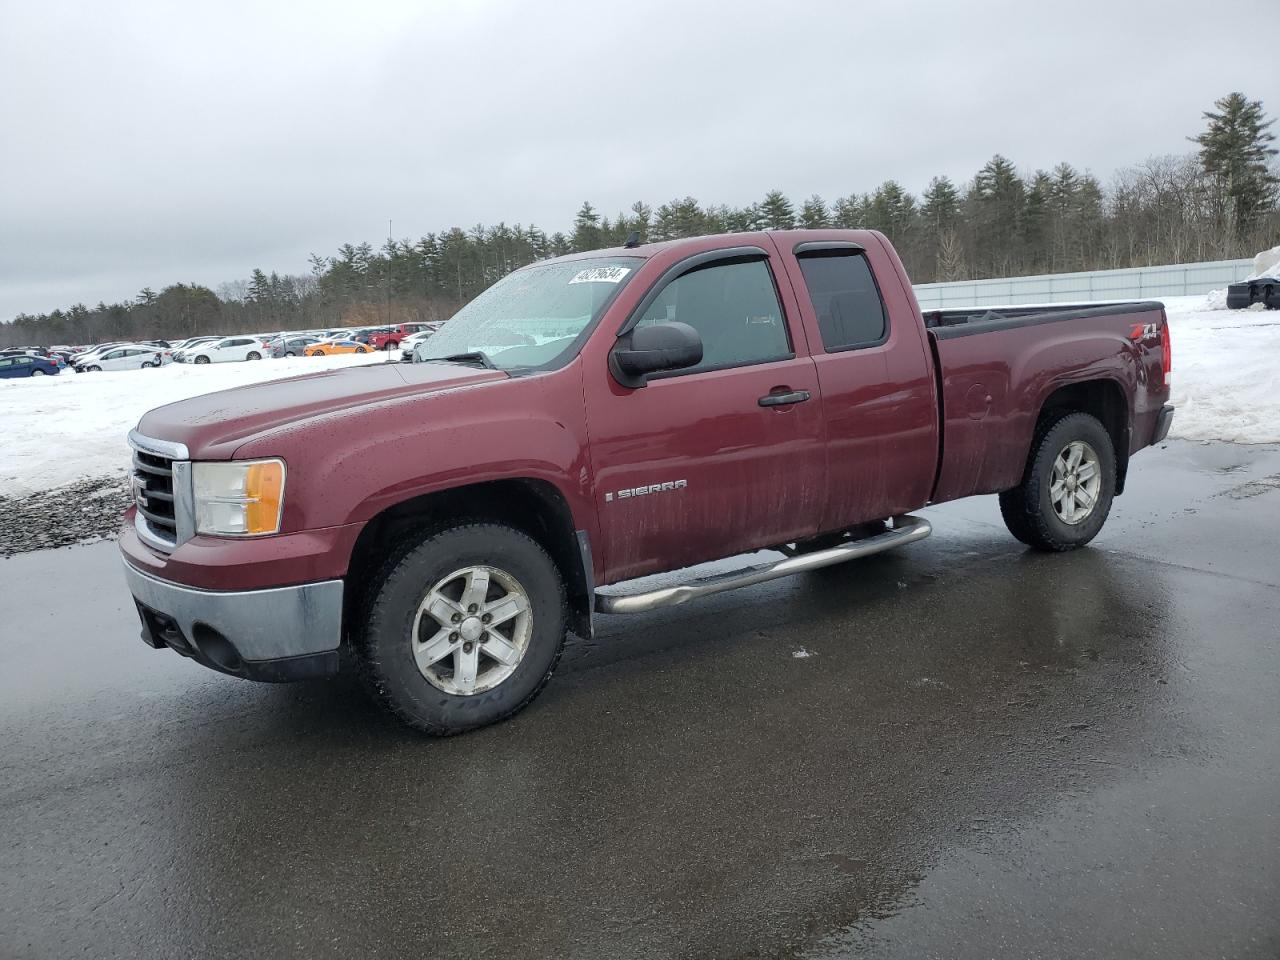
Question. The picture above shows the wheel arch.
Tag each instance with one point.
(534, 506)
(1103, 398)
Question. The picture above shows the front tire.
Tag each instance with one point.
(1067, 488)
(317, 353)
(462, 628)
(202, 359)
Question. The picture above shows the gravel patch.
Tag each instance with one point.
(75, 513)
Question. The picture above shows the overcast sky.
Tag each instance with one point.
(147, 143)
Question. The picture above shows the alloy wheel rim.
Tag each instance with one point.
(471, 630)
(1075, 482)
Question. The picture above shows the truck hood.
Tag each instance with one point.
(215, 424)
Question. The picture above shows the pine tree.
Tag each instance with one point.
(586, 228)
(1235, 150)
(813, 214)
(776, 211)
(940, 205)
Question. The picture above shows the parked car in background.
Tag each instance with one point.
(131, 356)
(408, 344)
(226, 350)
(334, 347)
(182, 351)
(290, 346)
(25, 365)
(390, 338)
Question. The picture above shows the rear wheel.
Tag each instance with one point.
(361, 350)
(462, 628)
(391, 345)
(254, 355)
(37, 373)
(1066, 491)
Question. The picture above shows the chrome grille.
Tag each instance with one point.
(153, 494)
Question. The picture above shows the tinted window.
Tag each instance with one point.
(734, 308)
(844, 295)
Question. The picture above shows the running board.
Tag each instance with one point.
(906, 529)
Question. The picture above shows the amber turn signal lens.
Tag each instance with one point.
(264, 489)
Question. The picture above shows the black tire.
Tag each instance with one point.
(288, 353)
(254, 355)
(317, 353)
(94, 369)
(202, 359)
(361, 350)
(1028, 509)
(391, 345)
(381, 637)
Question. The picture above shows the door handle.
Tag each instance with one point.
(782, 399)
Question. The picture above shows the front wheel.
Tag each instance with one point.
(202, 359)
(94, 369)
(317, 353)
(1066, 491)
(391, 345)
(288, 353)
(463, 628)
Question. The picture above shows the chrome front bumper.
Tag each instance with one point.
(281, 633)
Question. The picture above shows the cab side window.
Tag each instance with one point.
(733, 306)
(846, 300)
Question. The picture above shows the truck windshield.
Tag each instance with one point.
(532, 317)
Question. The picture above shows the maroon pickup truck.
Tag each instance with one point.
(603, 416)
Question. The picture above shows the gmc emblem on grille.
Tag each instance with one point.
(645, 491)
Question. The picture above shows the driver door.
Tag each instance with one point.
(719, 458)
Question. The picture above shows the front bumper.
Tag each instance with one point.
(275, 634)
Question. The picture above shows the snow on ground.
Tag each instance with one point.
(1226, 370)
(58, 430)
(72, 427)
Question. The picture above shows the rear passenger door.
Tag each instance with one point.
(876, 379)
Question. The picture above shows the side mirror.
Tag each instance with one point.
(654, 349)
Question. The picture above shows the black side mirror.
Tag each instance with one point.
(654, 349)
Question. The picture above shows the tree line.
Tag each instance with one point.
(1220, 201)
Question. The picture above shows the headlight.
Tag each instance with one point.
(241, 498)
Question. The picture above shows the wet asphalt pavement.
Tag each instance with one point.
(962, 749)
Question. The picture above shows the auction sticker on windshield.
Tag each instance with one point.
(600, 275)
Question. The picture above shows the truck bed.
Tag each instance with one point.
(997, 368)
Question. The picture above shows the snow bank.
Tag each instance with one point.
(57, 430)
(1266, 264)
(1225, 380)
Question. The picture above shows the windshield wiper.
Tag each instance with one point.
(471, 356)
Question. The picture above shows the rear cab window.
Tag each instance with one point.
(845, 298)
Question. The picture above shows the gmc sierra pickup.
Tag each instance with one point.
(603, 416)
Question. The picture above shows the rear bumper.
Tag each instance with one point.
(275, 634)
(1163, 421)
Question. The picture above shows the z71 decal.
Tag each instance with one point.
(645, 491)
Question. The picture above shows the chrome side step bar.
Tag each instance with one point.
(906, 529)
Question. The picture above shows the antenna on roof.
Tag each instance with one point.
(633, 239)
